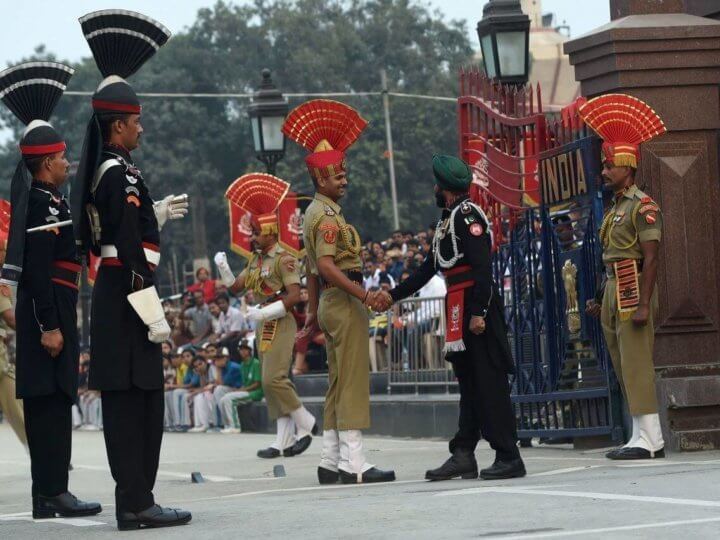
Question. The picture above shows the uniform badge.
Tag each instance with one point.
(131, 179)
(476, 229)
(619, 217)
(470, 220)
(53, 211)
(650, 218)
(646, 200)
(329, 211)
(648, 208)
(265, 272)
(132, 189)
(465, 208)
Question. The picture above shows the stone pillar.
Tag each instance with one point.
(672, 62)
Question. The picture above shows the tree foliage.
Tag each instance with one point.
(199, 145)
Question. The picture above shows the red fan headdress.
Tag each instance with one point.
(623, 122)
(327, 129)
(261, 195)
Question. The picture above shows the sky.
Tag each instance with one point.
(30, 23)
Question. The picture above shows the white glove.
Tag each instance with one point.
(147, 305)
(226, 275)
(270, 312)
(171, 207)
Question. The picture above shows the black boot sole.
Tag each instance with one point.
(347, 478)
(135, 525)
(514, 474)
(327, 477)
(50, 514)
(465, 476)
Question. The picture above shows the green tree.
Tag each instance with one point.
(200, 145)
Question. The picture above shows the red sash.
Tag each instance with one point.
(455, 307)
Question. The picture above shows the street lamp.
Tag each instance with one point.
(267, 113)
(504, 33)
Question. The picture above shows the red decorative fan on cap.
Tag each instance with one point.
(623, 122)
(324, 120)
(4, 221)
(260, 194)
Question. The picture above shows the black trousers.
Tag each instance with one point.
(485, 407)
(48, 425)
(133, 428)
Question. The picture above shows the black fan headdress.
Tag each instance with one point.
(31, 91)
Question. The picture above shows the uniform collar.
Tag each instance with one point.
(271, 252)
(118, 151)
(46, 187)
(335, 207)
(629, 193)
(458, 202)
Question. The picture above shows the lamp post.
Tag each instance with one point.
(504, 33)
(267, 113)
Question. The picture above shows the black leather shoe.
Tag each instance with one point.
(63, 505)
(154, 517)
(462, 463)
(268, 453)
(368, 477)
(635, 452)
(612, 453)
(299, 447)
(326, 476)
(504, 469)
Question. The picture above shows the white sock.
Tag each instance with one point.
(651, 437)
(635, 435)
(303, 420)
(285, 433)
(330, 454)
(352, 456)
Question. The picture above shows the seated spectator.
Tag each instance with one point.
(196, 382)
(169, 375)
(304, 339)
(204, 284)
(251, 390)
(225, 377)
(231, 324)
(176, 399)
(197, 316)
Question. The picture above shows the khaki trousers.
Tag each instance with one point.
(280, 394)
(631, 350)
(345, 323)
(12, 407)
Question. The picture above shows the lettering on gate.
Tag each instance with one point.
(563, 177)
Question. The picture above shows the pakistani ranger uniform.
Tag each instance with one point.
(328, 128)
(482, 362)
(118, 221)
(43, 265)
(269, 274)
(624, 122)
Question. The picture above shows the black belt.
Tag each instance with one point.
(66, 273)
(353, 275)
(610, 269)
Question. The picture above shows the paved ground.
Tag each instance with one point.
(568, 494)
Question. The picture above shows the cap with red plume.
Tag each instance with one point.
(623, 122)
(327, 129)
(261, 195)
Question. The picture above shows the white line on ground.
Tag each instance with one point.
(185, 475)
(637, 527)
(565, 471)
(75, 522)
(584, 495)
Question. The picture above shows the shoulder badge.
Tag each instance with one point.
(53, 211)
(465, 208)
(476, 229)
(469, 220)
(131, 179)
(648, 208)
(650, 219)
(646, 199)
(329, 211)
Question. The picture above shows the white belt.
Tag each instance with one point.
(110, 251)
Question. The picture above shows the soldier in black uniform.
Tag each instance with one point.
(44, 266)
(121, 223)
(476, 334)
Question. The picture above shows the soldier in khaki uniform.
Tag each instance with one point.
(272, 275)
(337, 300)
(630, 235)
(11, 407)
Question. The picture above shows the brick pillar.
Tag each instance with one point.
(672, 61)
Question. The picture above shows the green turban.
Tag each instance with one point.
(451, 173)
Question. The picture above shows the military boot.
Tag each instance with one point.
(462, 463)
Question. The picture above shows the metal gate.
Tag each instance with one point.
(537, 176)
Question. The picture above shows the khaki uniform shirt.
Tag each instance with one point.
(633, 218)
(269, 273)
(326, 233)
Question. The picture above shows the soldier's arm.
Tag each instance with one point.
(326, 248)
(649, 225)
(125, 214)
(9, 317)
(39, 247)
(476, 248)
(313, 287)
(239, 285)
(290, 276)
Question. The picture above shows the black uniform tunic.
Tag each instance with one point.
(481, 369)
(125, 365)
(46, 300)
(122, 355)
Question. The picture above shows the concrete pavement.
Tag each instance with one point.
(567, 494)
